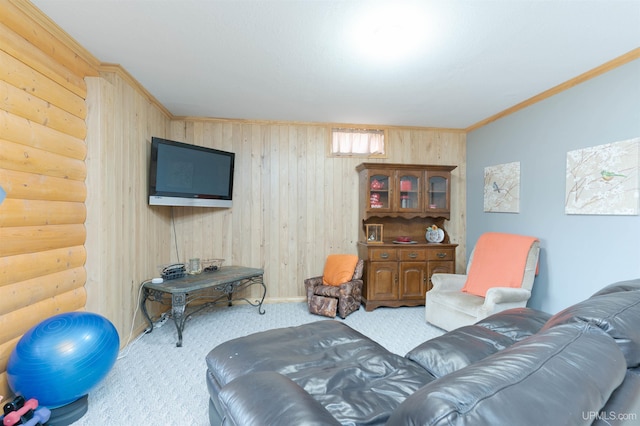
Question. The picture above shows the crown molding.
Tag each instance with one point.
(315, 124)
(595, 72)
(124, 74)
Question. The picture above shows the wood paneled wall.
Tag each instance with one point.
(126, 240)
(42, 170)
(293, 204)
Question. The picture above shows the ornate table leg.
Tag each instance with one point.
(143, 305)
(264, 293)
(178, 304)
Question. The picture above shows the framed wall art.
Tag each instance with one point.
(603, 179)
(502, 188)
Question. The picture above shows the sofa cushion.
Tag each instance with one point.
(269, 398)
(462, 302)
(502, 388)
(356, 379)
(630, 285)
(466, 345)
(516, 323)
(457, 349)
(617, 313)
(623, 404)
(339, 268)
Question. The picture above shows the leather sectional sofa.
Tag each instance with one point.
(517, 367)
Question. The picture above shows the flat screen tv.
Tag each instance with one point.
(181, 174)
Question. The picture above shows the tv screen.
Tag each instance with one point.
(181, 174)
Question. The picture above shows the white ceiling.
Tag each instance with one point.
(297, 60)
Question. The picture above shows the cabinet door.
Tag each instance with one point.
(382, 281)
(380, 189)
(438, 191)
(413, 280)
(409, 189)
(439, 267)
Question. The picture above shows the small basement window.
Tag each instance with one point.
(353, 142)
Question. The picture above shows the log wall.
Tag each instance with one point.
(42, 170)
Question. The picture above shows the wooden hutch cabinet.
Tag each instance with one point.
(403, 200)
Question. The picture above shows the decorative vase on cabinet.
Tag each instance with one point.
(406, 199)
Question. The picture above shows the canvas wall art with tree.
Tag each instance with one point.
(603, 179)
(502, 188)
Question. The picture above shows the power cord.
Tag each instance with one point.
(164, 317)
(133, 321)
(175, 235)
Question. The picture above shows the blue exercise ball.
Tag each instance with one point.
(59, 360)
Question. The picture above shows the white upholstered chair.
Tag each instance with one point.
(448, 307)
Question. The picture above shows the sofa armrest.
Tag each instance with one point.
(312, 282)
(583, 365)
(269, 398)
(497, 295)
(348, 287)
(448, 282)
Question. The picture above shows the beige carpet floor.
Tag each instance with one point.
(157, 383)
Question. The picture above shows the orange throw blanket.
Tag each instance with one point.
(498, 261)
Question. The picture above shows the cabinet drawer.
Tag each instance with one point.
(441, 254)
(381, 254)
(412, 254)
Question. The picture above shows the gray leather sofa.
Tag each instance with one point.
(520, 366)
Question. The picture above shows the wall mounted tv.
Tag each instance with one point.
(181, 174)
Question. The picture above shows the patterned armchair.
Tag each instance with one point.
(343, 299)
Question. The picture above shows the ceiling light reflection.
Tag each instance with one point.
(390, 33)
